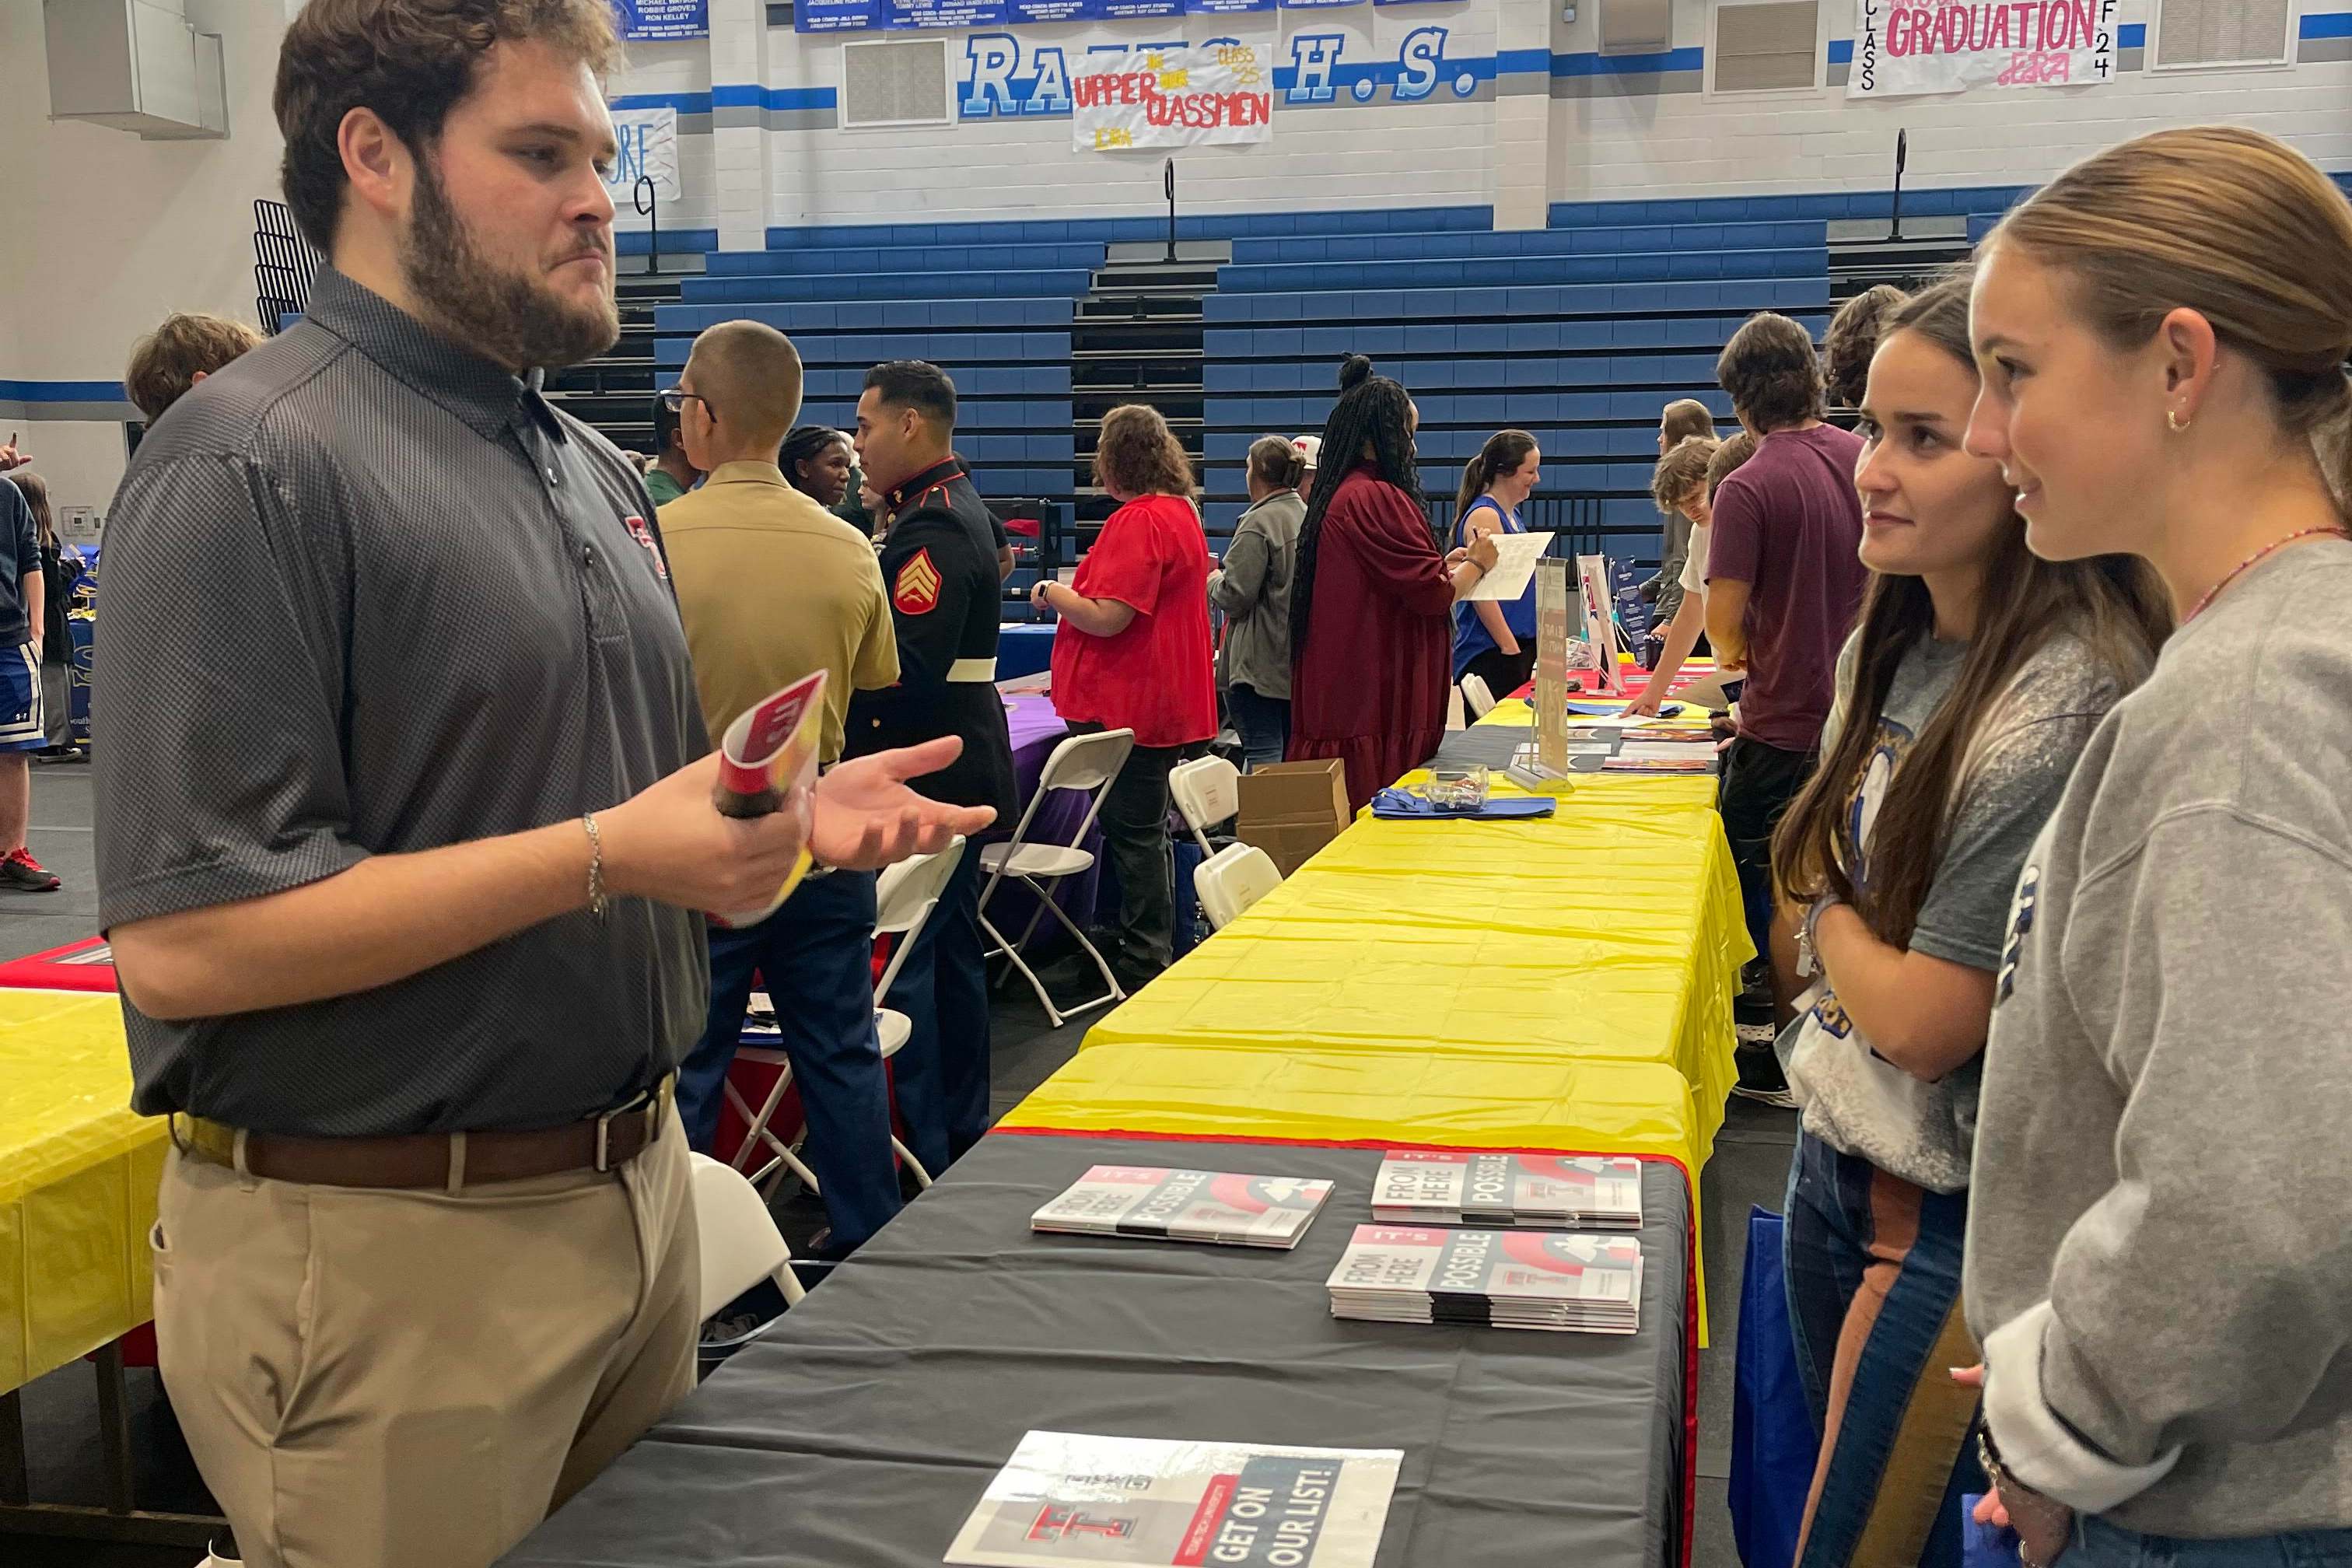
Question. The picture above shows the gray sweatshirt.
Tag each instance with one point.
(2159, 1255)
(1253, 591)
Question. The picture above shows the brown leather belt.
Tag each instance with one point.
(452, 1161)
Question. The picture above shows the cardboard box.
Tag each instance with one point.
(1292, 809)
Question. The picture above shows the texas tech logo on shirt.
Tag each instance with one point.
(640, 531)
(917, 591)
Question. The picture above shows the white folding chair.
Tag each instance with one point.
(1207, 790)
(1081, 762)
(1233, 880)
(904, 897)
(1476, 693)
(740, 1244)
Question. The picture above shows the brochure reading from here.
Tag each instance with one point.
(1433, 1186)
(1186, 1205)
(1071, 1501)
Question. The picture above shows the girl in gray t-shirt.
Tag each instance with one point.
(1971, 685)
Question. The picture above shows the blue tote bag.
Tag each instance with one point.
(1773, 1443)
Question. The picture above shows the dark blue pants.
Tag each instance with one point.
(942, 1071)
(814, 954)
(1262, 722)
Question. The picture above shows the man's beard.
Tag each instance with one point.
(502, 315)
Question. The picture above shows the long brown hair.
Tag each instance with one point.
(2115, 604)
(35, 491)
(2229, 223)
(1504, 452)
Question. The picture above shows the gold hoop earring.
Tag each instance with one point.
(2174, 422)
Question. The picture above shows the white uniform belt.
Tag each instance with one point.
(972, 669)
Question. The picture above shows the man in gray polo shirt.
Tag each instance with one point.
(402, 832)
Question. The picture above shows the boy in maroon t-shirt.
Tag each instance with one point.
(1784, 584)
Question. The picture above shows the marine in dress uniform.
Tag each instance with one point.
(940, 567)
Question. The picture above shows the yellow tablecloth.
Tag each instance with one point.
(1609, 932)
(1453, 1097)
(77, 1179)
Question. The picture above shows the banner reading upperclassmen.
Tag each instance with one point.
(1903, 48)
(664, 18)
(1216, 95)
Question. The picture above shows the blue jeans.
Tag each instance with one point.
(942, 1071)
(2098, 1544)
(1262, 722)
(1872, 1265)
(814, 954)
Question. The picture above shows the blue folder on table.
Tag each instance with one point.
(1398, 804)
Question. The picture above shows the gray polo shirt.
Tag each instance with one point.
(367, 593)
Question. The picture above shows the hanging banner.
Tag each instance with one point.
(942, 13)
(648, 150)
(835, 15)
(1317, 5)
(664, 18)
(1217, 95)
(1224, 8)
(1903, 47)
(1132, 10)
(1025, 13)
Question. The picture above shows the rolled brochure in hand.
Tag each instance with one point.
(769, 751)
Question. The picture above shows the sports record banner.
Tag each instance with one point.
(1217, 95)
(942, 13)
(1903, 48)
(835, 15)
(664, 18)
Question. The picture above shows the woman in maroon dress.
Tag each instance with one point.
(1372, 610)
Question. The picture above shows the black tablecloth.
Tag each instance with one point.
(859, 1431)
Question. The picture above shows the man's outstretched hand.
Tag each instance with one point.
(11, 459)
(867, 818)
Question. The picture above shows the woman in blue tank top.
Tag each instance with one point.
(1496, 639)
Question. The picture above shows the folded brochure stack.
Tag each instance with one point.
(1502, 1278)
(1432, 1186)
(1186, 1205)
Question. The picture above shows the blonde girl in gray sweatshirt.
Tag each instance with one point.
(2159, 1246)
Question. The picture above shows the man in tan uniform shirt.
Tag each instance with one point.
(771, 586)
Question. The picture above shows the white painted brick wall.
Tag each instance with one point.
(1696, 144)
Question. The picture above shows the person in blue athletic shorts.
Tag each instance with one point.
(22, 729)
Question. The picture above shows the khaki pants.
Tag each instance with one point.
(405, 1379)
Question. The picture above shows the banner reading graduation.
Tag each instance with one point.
(1903, 48)
(1214, 95)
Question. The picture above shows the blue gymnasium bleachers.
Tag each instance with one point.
(1003, 334)
(1578, 333)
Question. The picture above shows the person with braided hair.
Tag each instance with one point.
(1372, 602)
(815, 460)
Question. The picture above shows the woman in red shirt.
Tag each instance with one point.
(1372, 606)
(1133, 654)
